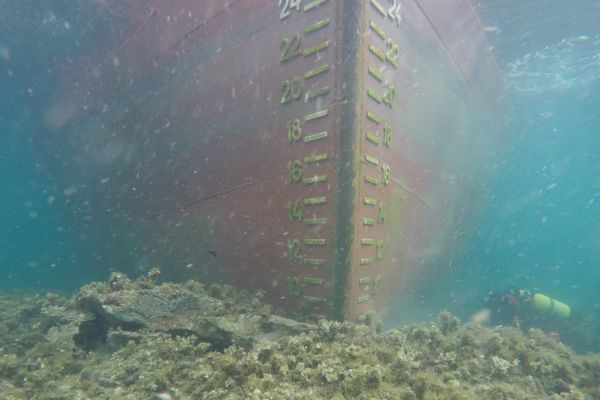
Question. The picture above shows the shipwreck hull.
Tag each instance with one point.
(323, 151)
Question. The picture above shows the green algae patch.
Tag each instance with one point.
(177, 352)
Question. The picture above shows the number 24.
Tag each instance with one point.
(287, 5)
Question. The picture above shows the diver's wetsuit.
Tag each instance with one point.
(506, 308)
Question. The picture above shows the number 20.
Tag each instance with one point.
(287, 6)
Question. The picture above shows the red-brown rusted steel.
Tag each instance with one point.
(176, 134)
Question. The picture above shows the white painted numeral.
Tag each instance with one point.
(394, 11)
(296, 4)
(287, 5)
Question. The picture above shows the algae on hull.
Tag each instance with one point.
(268, 357)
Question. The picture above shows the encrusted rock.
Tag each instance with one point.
(185, 341)
(178, 310)
(118, 281)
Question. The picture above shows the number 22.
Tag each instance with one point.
(394, 11)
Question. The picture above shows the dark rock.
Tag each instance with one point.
(92, 334)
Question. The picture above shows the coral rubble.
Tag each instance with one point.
(137, 339)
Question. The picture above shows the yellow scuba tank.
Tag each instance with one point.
(544, 303)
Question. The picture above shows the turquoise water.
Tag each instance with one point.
(540, 228)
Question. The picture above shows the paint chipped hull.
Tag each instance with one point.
(326, 153)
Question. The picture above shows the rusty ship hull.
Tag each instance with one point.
(323, 151)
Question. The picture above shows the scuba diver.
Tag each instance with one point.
(524, 308)
(527, 309)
